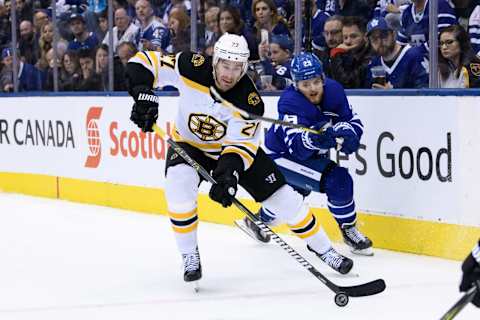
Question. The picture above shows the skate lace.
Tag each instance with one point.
(332, 258)
(191, 261)
(355, 235)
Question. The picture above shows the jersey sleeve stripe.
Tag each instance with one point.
(195, 85)
(246, 157)
(248, 146)
(155, 63)
(143, 58)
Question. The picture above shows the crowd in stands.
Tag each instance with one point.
(379, 44)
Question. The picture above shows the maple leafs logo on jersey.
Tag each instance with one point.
(475, 67)
(198, 60)
(253, 99)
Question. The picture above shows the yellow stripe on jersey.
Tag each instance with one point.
(195, 85)
(246, 157)
(154, 58)
(253, 148)
(141, 55)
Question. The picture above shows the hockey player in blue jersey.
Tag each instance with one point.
(414, 24)
(303, 157)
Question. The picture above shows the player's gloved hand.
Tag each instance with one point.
(471, 274)
(323, 140)
(227, 175)
(145, 109)
(351, 142)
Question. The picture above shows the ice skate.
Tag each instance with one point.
(335, 260)
(358, 243)
(251, 229)
(192, 268)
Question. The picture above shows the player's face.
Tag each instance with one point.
(227, 74)
(383, 42)
(449, 46)
(312, 89)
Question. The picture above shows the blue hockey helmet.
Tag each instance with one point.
(305, 66)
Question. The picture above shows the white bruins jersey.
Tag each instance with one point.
(201, 121)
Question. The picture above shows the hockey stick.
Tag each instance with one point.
(249, 115)
(462, 302)
(341, 293)
(308, 25)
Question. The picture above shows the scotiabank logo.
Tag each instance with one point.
(93, 137)
(136, 144)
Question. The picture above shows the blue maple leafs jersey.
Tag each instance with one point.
(414, 26)
(474, 29)
(156, 33)
(294, 107)
(408, 71)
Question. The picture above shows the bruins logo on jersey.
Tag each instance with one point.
(475, 67)
(253, 99)
(198, 60)
(206, 127)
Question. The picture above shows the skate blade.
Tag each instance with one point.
(362, 252)
(242, 226)
(195, 285)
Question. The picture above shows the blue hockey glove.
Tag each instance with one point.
(351, 142)
(317, 141)
(145, 109)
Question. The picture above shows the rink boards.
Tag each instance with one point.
(415, 174)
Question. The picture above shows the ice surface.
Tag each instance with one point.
(62, 260)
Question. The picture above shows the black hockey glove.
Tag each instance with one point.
(471, 274)
(227, 175)
(145, 109)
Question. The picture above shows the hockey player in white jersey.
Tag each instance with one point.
(219, 140)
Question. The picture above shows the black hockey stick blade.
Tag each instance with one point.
(366, 289)
(461, 303)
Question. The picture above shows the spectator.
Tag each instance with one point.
(179, 25)
(332, 32)
(126, 50)
(102, 24)
(152, 34)
(347, 8)
(349, 61)
(404, 66)
(414, 26)
(230, 20)
(69, 80)
(40, 18)
(45, 43)
(89, 80)
(26, 43)
(458, 65)
(5, 26)
(391, 10)
(212, 30)
(48, 84)
(474, 29)
(124, 30)
(101, 64)
(266, 18)
(82, 38)
(276, 62)
(319, 18)
(29, 78)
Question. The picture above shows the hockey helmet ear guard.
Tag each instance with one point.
(305, 66)
(231, 47)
